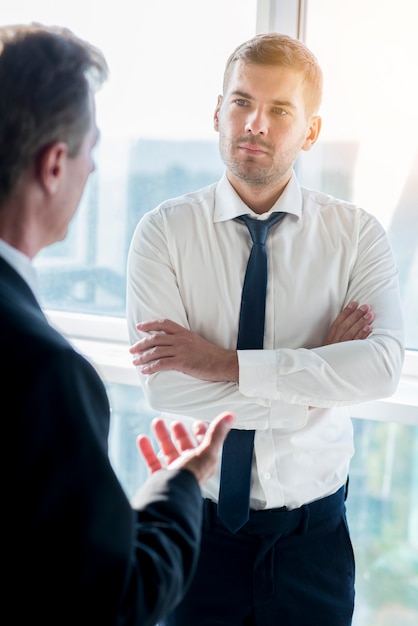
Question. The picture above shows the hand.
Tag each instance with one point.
(354, 322)
(181, 452)
(169, 346)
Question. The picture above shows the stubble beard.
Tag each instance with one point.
(248, 170)
(252, 173)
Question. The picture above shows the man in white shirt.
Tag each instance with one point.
(292, 562)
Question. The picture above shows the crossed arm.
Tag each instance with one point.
(169, 346)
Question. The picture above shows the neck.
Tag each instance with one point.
(259, 198)
(16, 234)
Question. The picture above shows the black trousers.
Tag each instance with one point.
(283, 568)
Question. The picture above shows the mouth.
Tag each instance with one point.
(253, 149)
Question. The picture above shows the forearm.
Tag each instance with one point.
(169, 513)
(338, 374)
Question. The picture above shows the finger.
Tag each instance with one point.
(363, 327)
(348, 316)
(182, 436)
(350, 308)
(202, 460)
(155, 358)
(360, 326)
(148, 347)
(164, 439)
(160, 325)
(199, 430)
(218, 430)
(338, 326)
(347, 313)
(364, 332)
(158, 333)
(133, 348)
(350, 324)
(147, 451)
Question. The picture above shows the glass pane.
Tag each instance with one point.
(155, 113)
(382, 510)
(131, 417)
(368, 148)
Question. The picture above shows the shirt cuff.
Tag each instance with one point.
(257, 373)
(258, 380)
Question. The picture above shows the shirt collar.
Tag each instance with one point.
(21, 263)
(228, 204)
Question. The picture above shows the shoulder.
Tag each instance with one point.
(325, 201)
(198, 202)
(175, 218)
(317, 204)
(37, 353)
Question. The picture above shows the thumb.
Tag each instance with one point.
(218, 430)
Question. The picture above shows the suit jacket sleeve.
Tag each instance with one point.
(86, 556)
(167, 538)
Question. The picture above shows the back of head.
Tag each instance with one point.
(46, 77)
(276, 49)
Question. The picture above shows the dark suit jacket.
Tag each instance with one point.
(77, 553)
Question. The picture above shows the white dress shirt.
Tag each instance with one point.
(187, 262)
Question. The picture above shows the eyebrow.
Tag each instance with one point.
(247, 96)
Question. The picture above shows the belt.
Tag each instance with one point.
(282, 521)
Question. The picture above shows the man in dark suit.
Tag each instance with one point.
(78, 552)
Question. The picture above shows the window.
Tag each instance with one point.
(157, 141)
(368, 153)
(157, 138)
(368, 147)
(166, 63)
(382, 511)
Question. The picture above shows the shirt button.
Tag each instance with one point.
(267, 475)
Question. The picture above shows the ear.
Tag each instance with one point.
(216, 114)
(51, 166)
(313, 134)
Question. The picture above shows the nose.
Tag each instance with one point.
(256, 123)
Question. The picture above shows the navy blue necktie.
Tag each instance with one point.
(234, 490)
